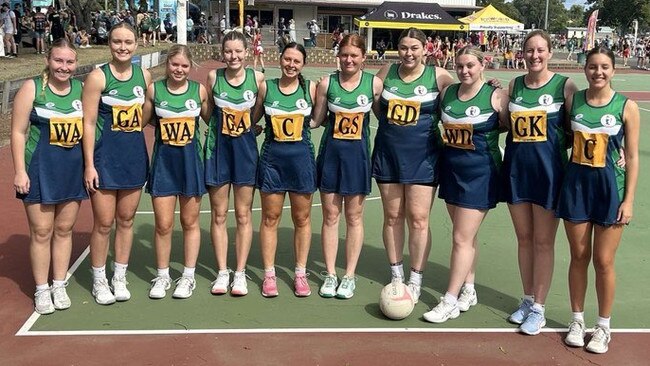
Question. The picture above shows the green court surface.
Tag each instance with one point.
(498, 283)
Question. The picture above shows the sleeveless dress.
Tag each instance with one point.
(535, 154)
(121, 157)
(230, 147)
(177, 166)
(344, 155)
(53, 155)
(594, 186)
(287, 161)
(407, 144)
(470, 160)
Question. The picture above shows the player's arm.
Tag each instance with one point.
(631, 123)
(206, 104)
(377, 87)
(23, 102)
(148, 108)
(93, 86)
(320, 104)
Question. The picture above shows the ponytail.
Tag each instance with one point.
(303, 85)
(45, 75)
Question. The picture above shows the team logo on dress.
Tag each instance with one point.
(546, 100)
(518, 99)
(164, 103)
(608, 120)
(420, 90)
(473, 111)
(393, 89)
(138, 91)
(76, 104)
(362, 100)
(191, 104)
(337, 100)
(275, 104)
(112, 92)
(249, 95)
(223, 95)
(301, 104)
(447, 108)
(579, 117)
(49, 105)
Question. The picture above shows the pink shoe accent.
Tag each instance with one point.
(269, 287)
(301, 286)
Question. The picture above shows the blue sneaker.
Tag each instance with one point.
(521, 313)
(533, 323)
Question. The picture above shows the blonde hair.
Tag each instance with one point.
(472, 51)
(59, 43)
(180, 49)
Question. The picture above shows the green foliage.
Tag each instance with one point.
(506, 8)
(533, 12)
(620, 13)
(576, 16)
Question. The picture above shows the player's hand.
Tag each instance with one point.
(624, 215)
(91, 180)
(495, 83)
(621, 161)
(21, 183)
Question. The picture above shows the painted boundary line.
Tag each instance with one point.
(34, 317)
(299, 331)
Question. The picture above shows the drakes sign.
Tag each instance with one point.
(405, 15)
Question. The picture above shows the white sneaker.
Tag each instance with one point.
(415, 292)
(102, 292)
(60, 297)
(43, 302)
(599, 342)
(184, 287)
(119, 288)
(467, 299)
(239, 285)
(442, 312)
(220, 285)
(159, 287)
(576, 335)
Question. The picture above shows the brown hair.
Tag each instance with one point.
(601, 51)
(353, 39)
(540, 33)
(413, 33)
(59, 43)
(123, 25)
(234, 36)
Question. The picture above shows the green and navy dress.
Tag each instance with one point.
(121, 157)
(407, 144)
(594, 185)
(344, 156)
(231, 148)
(535, 155)
(177, 167)
(287, 161)
(53, 155)
(470, 160)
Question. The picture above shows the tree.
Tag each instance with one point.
(82, 10)
(576, 16)
(533, 12)
(620, 13)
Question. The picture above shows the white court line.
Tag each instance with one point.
(254, 209)
(34, 317)
(644, 109)
(299, 330)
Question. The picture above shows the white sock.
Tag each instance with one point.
(42, 287)
(538, 308)
(469, 286)
(223, 272)
(269, 272)
(57, 283)
(99, 273)
(530, 298)
(451, 299)
(579, 316)
(415, 278)
(604, 322)
(188, 272)
(300, 271)
(397, 270)
(119, 269)
(163, 272)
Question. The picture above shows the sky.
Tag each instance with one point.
(569, 3)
